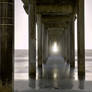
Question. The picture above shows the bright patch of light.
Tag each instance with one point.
(55, 75)
(55, 47)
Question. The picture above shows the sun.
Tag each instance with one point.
(55, 47)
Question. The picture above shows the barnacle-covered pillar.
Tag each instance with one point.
(6, 40)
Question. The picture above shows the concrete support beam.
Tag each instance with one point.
(32, 39)
(56, 19)
(6, 41)
(81, 42)
(55, 25)
(54, 9)
(39, 25)
(72, 45)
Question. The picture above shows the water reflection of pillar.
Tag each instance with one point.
(32, 83)
(81, 84)
(6, 40)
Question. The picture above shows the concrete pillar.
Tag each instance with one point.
(61, 45)
(6, 40)
(64, 46)
(32, 39)
(39, 40)
(80, 34)
(46, 47)
(72, 45)
(68, 44)
(45, 43)
(43, 39)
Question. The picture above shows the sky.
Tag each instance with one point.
(21, 26)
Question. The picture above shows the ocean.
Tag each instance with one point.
(21, 78)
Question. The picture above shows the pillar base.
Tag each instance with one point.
(81, 75)
(40, 62)
(32, 71)
(72, 65)
(6, 88)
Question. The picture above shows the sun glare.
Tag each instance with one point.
(55, 47)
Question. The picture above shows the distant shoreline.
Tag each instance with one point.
(27, 50)
(23, 52)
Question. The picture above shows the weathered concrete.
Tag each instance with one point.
(55, 25)
(32, 39)
(57, 19)
(72, 45)
(6, 41)
(43, 43)
(54, 9)
(64, 45)
(68, 38)
(81, 42)
(39, 25)
(45, 46)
